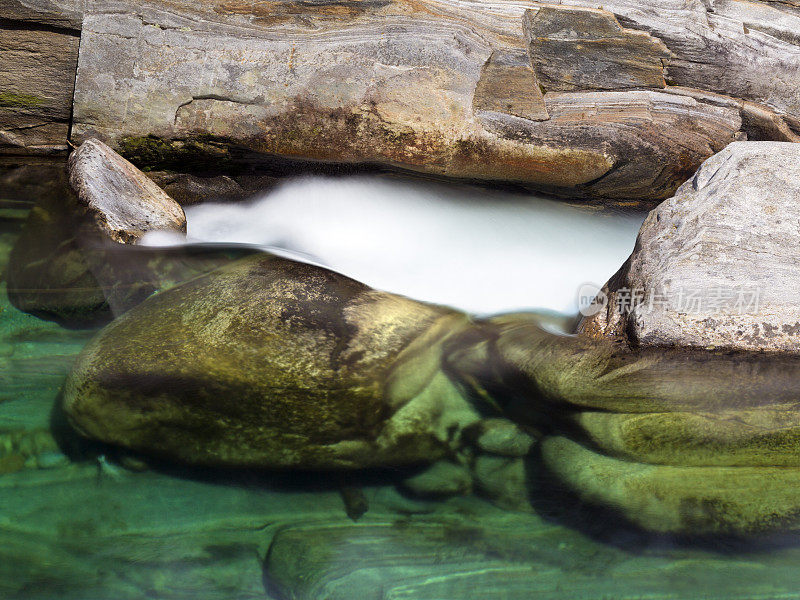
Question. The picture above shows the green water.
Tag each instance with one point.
(76, 524)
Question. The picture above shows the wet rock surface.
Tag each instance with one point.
(714, 265)
(326, 373)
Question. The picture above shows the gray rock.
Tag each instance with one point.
(124, 203)
(716, 265)
(442, 478)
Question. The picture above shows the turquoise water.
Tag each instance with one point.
(80, 520)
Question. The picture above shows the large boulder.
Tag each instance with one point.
(717, 264)
(272, 363)
(469, 91)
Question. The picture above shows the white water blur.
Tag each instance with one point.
(479, 250)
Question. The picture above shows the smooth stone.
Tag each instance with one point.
(764, 437)
(692, 501)
(504, 481)
(123, 202)
(273, 363)
(716, 265)
(503, 437)
(442, 478)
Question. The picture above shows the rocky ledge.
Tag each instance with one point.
(479, 91)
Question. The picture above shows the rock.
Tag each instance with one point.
(474, 109)
(187, 189)
(681, 440)
(505, 86)
(273, 364)
(38, 65)
(49, 273)
(426, 91)
(62, 269)
(442, 478)
(693, 501)
(715, 264)
(538, 378)
(755, 437)
(504, 481)
(122, 201)
(501, 436)
(574, 49)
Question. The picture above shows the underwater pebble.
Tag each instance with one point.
(443, 478)
(504, 481)
(503, 437)
(51, 460)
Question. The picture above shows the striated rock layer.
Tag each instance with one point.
(420, 86)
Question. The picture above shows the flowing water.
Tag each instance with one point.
(81, 520)
(479, 250)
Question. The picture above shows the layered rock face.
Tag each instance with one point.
(716, 264)
(620, 102)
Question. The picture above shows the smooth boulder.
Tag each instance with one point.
(717, 264)
(271, 363)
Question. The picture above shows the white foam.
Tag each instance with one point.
(479, 250)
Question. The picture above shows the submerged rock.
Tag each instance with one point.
(717, 264)
(69, 266)
(676, 499)
(271, 363)
(122, 201)
(685, 441)
(442, 478)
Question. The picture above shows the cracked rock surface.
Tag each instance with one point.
(420, 86)
(716, 264)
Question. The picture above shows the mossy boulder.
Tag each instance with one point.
(273, 363)
(683, 500)
(679, 440)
